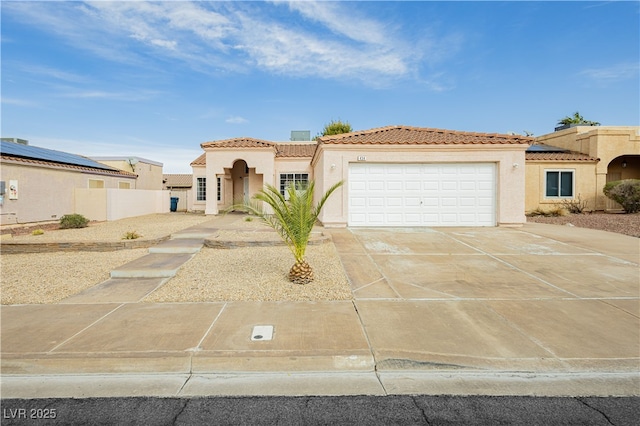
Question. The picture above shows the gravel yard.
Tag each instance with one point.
(255, 274)
(248, 273)
(627, 224)
(149, 227)
(51, 277)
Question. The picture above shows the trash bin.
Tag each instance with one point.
(174, 204)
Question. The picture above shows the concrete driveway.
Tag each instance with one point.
(538, 298)
(537, 310)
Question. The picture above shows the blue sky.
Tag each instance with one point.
(156, 79)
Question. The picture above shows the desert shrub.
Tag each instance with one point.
(554, 212)
(73, 221)
(37, 232)
(131, 235)
(626, 193)
(574, 205)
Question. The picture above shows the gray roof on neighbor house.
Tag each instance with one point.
(173, 180)
(34, 155)
(37, 153)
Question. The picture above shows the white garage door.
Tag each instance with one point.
(422, 194)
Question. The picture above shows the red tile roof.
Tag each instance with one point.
(56, 165)
(288, 149)
(200, 161)
(559, 156)
(405, 135)
(238, 143)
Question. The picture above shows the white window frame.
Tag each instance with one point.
(201, 189)
(284, 181)
(560, 172)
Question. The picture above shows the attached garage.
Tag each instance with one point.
(401, 176)
(422, 194)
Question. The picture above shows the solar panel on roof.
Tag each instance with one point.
(34, 152)
(545, 148)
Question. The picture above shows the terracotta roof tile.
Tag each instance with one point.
(288, 149)
(238, 143)
(405, 135)
(177, 180)
(53, 164)
(200, 161)
(559, 156)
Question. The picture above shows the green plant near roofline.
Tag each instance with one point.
(293, 219)
(576, 118)
(73, 221)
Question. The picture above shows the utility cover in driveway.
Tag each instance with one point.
(461, 194)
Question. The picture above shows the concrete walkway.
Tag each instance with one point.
(538, 310)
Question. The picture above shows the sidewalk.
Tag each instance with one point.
(540, 310)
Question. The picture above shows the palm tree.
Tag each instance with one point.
(576, 118)
(293, 219)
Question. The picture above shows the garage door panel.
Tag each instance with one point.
(422, 194)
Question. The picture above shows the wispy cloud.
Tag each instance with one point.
(19, 102)
(343, 43)
(619, 72)
(236, 120)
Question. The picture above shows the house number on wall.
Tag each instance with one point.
(362, 158)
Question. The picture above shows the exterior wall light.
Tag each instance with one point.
(624, 164)
(516, 165)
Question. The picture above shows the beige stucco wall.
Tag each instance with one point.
(331, 165)
(45, 193)
(194, 204)
(261, 160)
(584, 184)
(607, 143)
(149, 174)
(114, 204)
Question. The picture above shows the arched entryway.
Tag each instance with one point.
(620, 168)
(241, 183)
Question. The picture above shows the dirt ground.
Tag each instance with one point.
(627, 224)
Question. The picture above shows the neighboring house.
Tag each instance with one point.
(394, 176)
(38, 184)
(149, 172)
(180, 186)
(575, 164)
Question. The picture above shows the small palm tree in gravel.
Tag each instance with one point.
(293, 218)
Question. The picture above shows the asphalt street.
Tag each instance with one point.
(350, 410)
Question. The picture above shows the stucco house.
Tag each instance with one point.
(394, 175)
(149, 172)
(39, 185)
(180, 185)
(577, 163)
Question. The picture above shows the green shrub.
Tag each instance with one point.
(73, 221)
(626, 193)
(131, 235)
(37, 232)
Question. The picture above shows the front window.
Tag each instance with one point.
(559, 183)
(96, 183)
(298, 179)
(201, 189)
